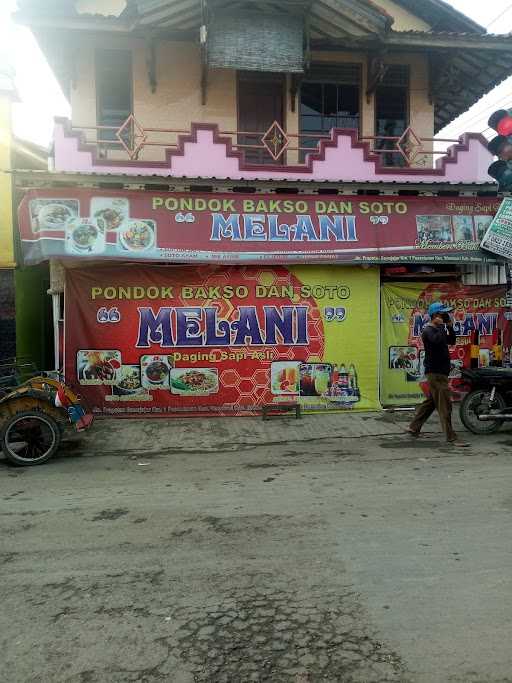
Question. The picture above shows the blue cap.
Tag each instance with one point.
(438, 307)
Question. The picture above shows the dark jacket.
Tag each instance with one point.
(436, 341)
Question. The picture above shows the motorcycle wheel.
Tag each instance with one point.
(475, 403)
(30, 438)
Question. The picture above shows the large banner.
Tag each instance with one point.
(479, 310)
(6, 231)
(163, 340)
(237, 228)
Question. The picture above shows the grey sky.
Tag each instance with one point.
(42, 98)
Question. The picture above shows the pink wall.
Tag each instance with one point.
(205, 154)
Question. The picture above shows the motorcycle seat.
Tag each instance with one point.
(489, 373)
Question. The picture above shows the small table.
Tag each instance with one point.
(271, 410)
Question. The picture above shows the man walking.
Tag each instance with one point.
(437, 335)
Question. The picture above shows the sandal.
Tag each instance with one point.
(459, 444)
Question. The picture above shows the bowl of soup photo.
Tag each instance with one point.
(156, 372)
(84, 236)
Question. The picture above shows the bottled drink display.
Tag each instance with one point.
(344, 388)
(475, 349)
(343, 380)
(497, 356)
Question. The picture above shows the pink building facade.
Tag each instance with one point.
(230, 171)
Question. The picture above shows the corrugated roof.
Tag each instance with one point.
(325, 17)
(64, 8)
(438, 13)
(441, 15)
(186, 180)
(463, 66)
(488, 37)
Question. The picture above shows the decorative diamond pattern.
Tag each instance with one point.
(409, 145)
(132, 136)
(275, 141)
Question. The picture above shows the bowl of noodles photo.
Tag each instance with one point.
(194, 381)
(84, 237)
(128, 381)
(138, 236)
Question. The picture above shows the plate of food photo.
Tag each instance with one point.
(98, 367)
(50, 214)
(194, 381)
(110, 213)
(128, 381)
(138, 236)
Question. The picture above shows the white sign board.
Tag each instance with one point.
(498, 237)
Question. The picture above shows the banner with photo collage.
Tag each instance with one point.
(84, 224)
(203, 340)
(404, 314)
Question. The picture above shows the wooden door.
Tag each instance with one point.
(260, 103)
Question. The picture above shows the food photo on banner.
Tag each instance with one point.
(195, 228)
(201, 340)
(479, 316)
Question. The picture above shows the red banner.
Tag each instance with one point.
(209, 340)
(236, 228)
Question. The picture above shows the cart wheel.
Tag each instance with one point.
(30, 438)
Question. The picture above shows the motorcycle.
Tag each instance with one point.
(488, 403)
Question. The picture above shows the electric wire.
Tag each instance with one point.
(501, 14)
(488, 110)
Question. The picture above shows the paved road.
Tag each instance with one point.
(363, 560)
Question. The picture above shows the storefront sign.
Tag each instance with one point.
(403, 311)
(498, 238)
(159, 341)
(234, 228)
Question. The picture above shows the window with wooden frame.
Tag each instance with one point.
(330, 97)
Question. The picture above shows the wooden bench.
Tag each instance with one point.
(271, 410)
